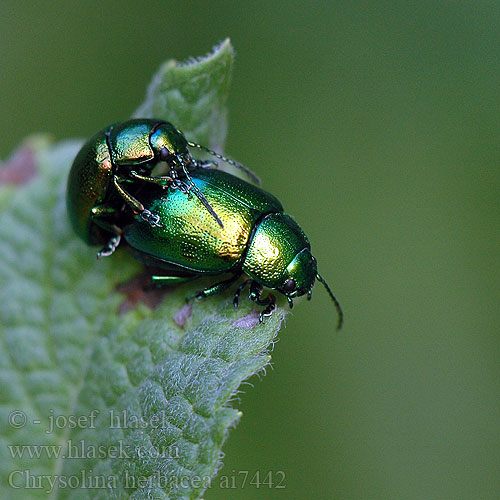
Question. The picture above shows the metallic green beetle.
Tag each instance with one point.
(257, 239)
(112, 167)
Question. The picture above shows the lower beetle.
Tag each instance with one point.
(115, 163)
(257, 239)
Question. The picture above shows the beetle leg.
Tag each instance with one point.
(103, 210)
(269, 301)
(174, 182)
(132, 202)
(137, 206)
(161, 180)
(159, 281)
(151, 218)
(181, 186)
(110, 247)
(214, 289)
(239, 290)
(178, 184)
(255, 292)
(99, 214)
(268, 310)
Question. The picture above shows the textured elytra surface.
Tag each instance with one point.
(159, 382)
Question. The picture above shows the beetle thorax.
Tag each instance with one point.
(275, 243)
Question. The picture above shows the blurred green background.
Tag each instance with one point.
(376, 124)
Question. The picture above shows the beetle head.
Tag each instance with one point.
(299, 275)
(167, 142)
(279, 257)
(299, 279)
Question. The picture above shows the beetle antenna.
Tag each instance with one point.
(335, 301)
(198, 193)
(227, 160)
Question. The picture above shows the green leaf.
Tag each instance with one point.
(193, 95)
(142, 396)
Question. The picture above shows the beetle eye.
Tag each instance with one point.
(164, 154)
(289, 286)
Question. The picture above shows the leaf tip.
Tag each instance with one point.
(220, 51)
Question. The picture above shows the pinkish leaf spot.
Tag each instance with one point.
(139, 290)
(182, 315)
(249, 321)
(19, 168)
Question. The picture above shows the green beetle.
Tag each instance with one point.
(257, 239)
(112, 167)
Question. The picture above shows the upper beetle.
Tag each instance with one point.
(110, 171)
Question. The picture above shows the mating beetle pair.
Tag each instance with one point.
(120, 159)
(117, 190)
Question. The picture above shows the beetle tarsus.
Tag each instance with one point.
(181, 186)
(267, 311)
(110, 247)
(269, 301)
(150, 218)
(238, 291)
